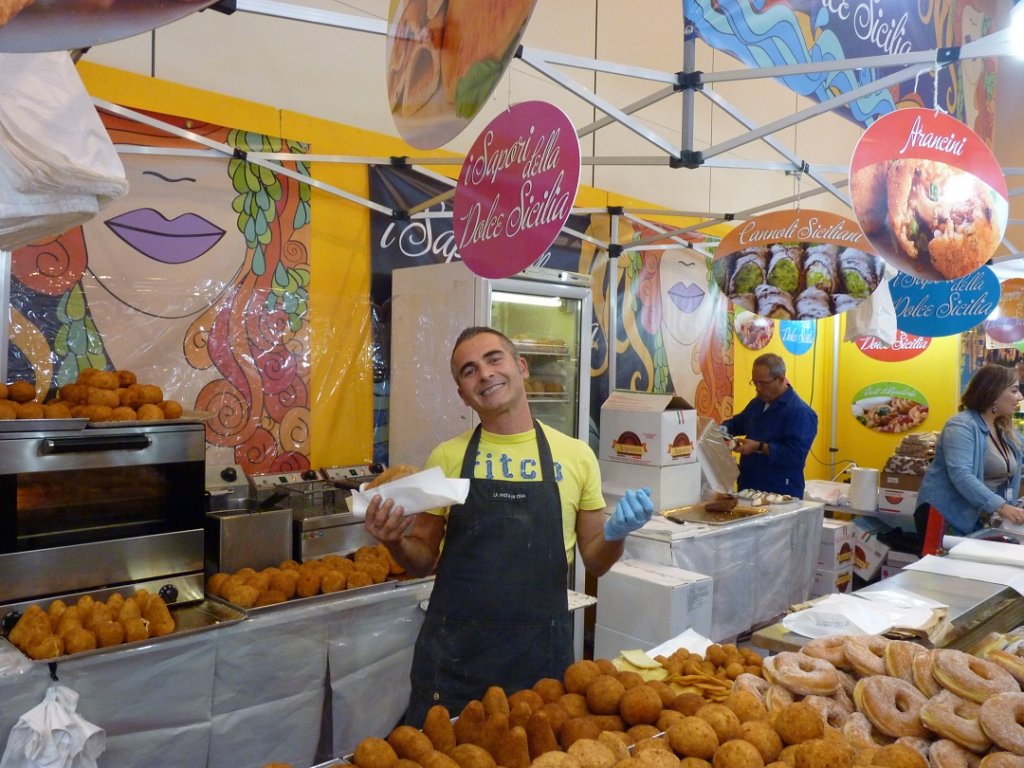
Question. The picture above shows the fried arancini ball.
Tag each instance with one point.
(737, 753)
(495, 732)
(48, 646)
(242, 595)
(616, 743)
(824, 753)
(131, 396)
(530, 696)
(640, 704)
(747, 706)
(575, 704)
(495, 701)
(125, 378)
(359, 579)
(472, 756)
(579, 675)
(576, 728)
(79, 640)
(21, 391)
(469, 725)
(151, 394)
(797, 723)
(56, 410)
(308, 584)
(103, 380)
(751, 657)
(694, 762)
(149, 412)
(135, 628)
(763, 736)
(73, 394)
(114, 603)
(715, 654)
(591, 753)
(657, 758)
(94, 413)
(123, 413)
(540, 736)
(667, 717)
(556, 714)
(172, 409)
(333, 581)
(97, 613)
(54, 611)
(608, 722)
(519, 713)
(409, 743)
(8, 411)
(30, 410)
(108, 633)
(215, 584)
(514, 750)
(34, 616)
(285, 582)
(437, 759)
(374, 752)
(549, 688)
(70, 619)
(688, 703)
(664, 691)
(655, 743)
(98, 396)
(642, 731)
(898, 756)
(270, 597)
(555, 760)
(159, 616)
(437, 726)
(693, 737)
(629, 679)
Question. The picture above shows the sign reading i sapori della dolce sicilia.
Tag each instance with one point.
(516, 189)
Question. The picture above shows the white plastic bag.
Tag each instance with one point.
(58, 167)
(53, 735)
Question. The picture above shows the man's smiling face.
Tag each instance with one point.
(490, 376)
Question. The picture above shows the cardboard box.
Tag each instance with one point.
(671, 487)
(892, 501)
(899, 482)
(653, 602)
(610, 643)
(835, 554)
(868, 556)
(832, 582)
(656, 430)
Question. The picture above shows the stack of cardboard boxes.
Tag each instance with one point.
(649, 441)
(834, 570)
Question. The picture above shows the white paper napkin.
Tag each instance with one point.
(417, 493)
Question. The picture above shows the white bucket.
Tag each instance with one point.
(864, 489)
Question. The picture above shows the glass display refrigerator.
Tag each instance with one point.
(546, 312)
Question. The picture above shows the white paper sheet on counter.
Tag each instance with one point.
(1006, 575)
(851, 615)
(416, 493)
(994, 552)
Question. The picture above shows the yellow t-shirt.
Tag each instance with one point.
(514, 458)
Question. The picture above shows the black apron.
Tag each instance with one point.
(499, 611)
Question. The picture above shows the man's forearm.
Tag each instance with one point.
(599, 555)
(413, 555)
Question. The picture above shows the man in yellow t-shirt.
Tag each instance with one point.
(498, 613)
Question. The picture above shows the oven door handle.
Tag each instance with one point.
(82, 444)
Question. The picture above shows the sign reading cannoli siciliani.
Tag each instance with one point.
(941, 308)
(516, 189)
(796, 265)
(928, 193)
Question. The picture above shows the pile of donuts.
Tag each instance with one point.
(249, 588)
(953, 709)
(96, 395)
(90, 623)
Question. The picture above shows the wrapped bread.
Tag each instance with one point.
(391, 474)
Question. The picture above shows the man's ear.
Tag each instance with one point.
(524, 367)
(461, 396)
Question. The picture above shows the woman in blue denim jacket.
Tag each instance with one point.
(975, 474)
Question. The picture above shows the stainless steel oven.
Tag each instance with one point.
(85, 507)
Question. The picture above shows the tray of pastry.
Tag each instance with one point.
(698, 513)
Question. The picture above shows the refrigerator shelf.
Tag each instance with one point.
(543, 397)
(536, 348)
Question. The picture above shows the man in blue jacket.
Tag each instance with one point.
(777, 428)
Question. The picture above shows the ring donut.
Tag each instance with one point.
(866, 654)
(899, 657)
(831, 711)
(831, 649)
(1001, 717)
(847, 682)
(1011, 662)
(756, 684)
(860, 733)
(970, 677)
(891, 704)
(944, 753)
(921, 667)
(955, 719)
(802, 674)
(777, 698)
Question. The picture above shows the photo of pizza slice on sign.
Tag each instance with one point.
(928, 194)
(797, 265)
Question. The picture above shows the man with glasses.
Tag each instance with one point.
(777, 429)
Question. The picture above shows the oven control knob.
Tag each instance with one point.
(229, 474)
(376, 469)
(169, 593)
(8, 622)
(309, 474)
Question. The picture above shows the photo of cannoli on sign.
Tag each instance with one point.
(927, 218)
(444, 58)
(798, 281)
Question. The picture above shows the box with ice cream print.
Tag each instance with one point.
(641, 428)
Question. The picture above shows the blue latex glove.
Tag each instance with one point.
(633, 510)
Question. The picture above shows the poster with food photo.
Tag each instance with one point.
(928, 193)
(891, 407)
(753, 331)
(444, 58)
(796, 265)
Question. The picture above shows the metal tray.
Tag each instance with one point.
(42, 425)
(189, 619)
(696, 513)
